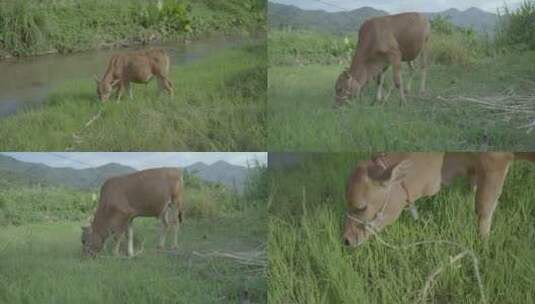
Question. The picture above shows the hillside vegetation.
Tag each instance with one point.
(29, 27)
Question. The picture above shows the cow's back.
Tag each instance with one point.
(407, 31)
(142, 193)
(159, 60)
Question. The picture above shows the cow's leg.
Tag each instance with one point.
(119, 232)
(395, 59)
(164, 227)
(128, 87)
(411, 76)
(120, 89)
(165, 84)
(489, 187)
(174, 221)
(130, 239)
(423, 67)
(178, 212)
(380, 84)
(414, 211)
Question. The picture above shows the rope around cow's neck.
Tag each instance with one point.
(379, 216)
(371, 227)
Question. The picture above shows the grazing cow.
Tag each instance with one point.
(136, 67)
(385, 41)
(147, 193)
(380, 188)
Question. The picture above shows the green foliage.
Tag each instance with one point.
(212, 16)
(287, 47)
(21, 204)
(219, 105)
(451, 44)
(515, 29)
(191, 181)
(28, 27)
(308, 263)
(210, 201)
(171, 16)
(256, 187)
(24, 26)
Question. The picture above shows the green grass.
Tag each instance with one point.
(40, 250)
(42, 264)
(308, 263)
(219, 105)
(302, 117)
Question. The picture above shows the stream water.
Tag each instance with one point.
(26, 82)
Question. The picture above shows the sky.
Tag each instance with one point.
(137, 160)
(396, 6)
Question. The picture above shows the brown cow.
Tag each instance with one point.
(147, 193)
(380, 188)
(385, 41)
(136, 67)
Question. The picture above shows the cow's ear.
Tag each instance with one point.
(391, 175)
(97, 80)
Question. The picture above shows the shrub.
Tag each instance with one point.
(303, 47)
(516, 28)
(451, 44)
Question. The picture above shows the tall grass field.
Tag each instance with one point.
(479, 95)
(41, 262)
(309, 264)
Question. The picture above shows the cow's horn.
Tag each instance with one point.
(96, 78)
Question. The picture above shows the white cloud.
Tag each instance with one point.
(138, 160)
(396, 6)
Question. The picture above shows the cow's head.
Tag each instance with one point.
(91, 242)
(375, 199)
(104, 88)
(346, 87)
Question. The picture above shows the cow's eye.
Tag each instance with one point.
(360, 210)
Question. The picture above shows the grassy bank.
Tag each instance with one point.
(29, 28)
(219, 105)
(42, 264)
(308, 263)
(303, 71)
(40, 251)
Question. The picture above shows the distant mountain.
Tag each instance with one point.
(221, 172)
(288, 16)
(21, 172)
(473, 17)
(24, 172)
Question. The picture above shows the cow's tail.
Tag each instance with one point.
(529, 156)
(180, 198)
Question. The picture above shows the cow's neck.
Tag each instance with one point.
(359, 70)
(100, 225)
(108, 77)
(383, 160)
